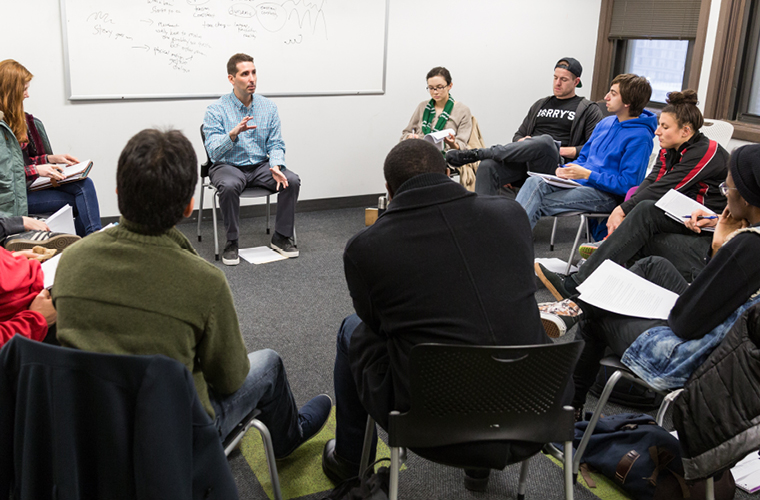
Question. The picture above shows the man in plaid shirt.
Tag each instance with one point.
(243, 140)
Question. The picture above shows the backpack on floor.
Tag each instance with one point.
(644, 459)
(626, 393)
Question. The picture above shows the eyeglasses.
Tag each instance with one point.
(436, 89)
(724, 188)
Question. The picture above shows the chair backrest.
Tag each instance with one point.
(205, 166)
(462, 394)
(104, 426)
(718, 131)
(653, 156)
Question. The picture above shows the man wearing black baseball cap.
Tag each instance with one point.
(553, 132)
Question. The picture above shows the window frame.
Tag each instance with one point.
(608, 51)
(722, 99)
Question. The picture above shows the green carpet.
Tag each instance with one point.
(301, 473)
(605, 488)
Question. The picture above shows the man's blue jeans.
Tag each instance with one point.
(350, 415)
(539, 199)
(266, 387)
(80, 195)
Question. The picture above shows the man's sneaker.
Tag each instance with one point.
(587, 249)
(559, 317)
(37, 238)
(553, 282)
(230, 254)
(312, 417)
(284, 246)
(458, 157)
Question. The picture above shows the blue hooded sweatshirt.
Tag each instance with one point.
(617, 153)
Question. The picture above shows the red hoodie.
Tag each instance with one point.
(20, 282)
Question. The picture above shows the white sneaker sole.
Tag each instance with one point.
(289, 254)
(59, 243)
(553, 325)
(231, 262)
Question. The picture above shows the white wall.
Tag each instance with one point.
(501, 55)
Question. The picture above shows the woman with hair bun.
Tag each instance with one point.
(440, 112)
(688, 162)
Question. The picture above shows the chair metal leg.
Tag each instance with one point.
(216, 235)
(395, 467)
(554, 231)
(271, 463)
(369, 433)
(710, 488)
(523, 479)
(665, 404)
(268, 212)
(569, 476)
(575, 244)
(200, 210)
(595, 418)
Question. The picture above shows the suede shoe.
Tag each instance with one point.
(559, 317)
(230, 254)
(37, 238)
(554, 282)
(336, 468)
(457, 157)
(284, 246)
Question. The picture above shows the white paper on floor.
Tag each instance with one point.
(260, 255)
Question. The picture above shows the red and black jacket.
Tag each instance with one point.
(695, 169)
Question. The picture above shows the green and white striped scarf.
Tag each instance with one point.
(429, 114)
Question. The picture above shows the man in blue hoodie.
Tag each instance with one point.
(612, 161)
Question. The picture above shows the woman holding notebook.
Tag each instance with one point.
(441, 112)
(26, 155)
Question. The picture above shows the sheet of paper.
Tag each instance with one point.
(260, 255)
(68, 171)
(747, 473)
(48, 270)
(613, 288)
(676, 205)
(553, 180)
(436, 138)
(62, 221)
(555, 265)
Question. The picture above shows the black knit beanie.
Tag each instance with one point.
(745, 170)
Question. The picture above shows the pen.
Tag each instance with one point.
(702, 217)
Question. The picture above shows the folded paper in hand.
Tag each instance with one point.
(555, 181)
(676, 205)
(436, 138)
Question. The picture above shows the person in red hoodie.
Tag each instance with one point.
(25, 305)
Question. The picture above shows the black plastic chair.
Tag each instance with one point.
(469, 394)
(251, 192)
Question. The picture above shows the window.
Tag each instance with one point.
(734, 88)
(661, 40)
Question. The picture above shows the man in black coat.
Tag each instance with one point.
(440, 265)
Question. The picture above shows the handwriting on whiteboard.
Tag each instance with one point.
(182, 32)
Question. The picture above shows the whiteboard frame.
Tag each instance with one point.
(169, 97)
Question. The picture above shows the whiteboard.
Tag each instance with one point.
(145, 49)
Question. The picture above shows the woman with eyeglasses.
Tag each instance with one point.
(665, 352)
(25, 155)
(441, 112)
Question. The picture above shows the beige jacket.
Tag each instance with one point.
(460, 120)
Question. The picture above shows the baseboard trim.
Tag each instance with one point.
(359, 201)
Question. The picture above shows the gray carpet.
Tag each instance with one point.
(296, 306)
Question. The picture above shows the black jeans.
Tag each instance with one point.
(509, 163)
(601, 329)
(645, 231)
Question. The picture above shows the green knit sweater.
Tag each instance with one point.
(123, 291)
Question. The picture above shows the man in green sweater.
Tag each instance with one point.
(140, 288)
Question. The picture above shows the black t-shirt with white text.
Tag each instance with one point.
(556, 119)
